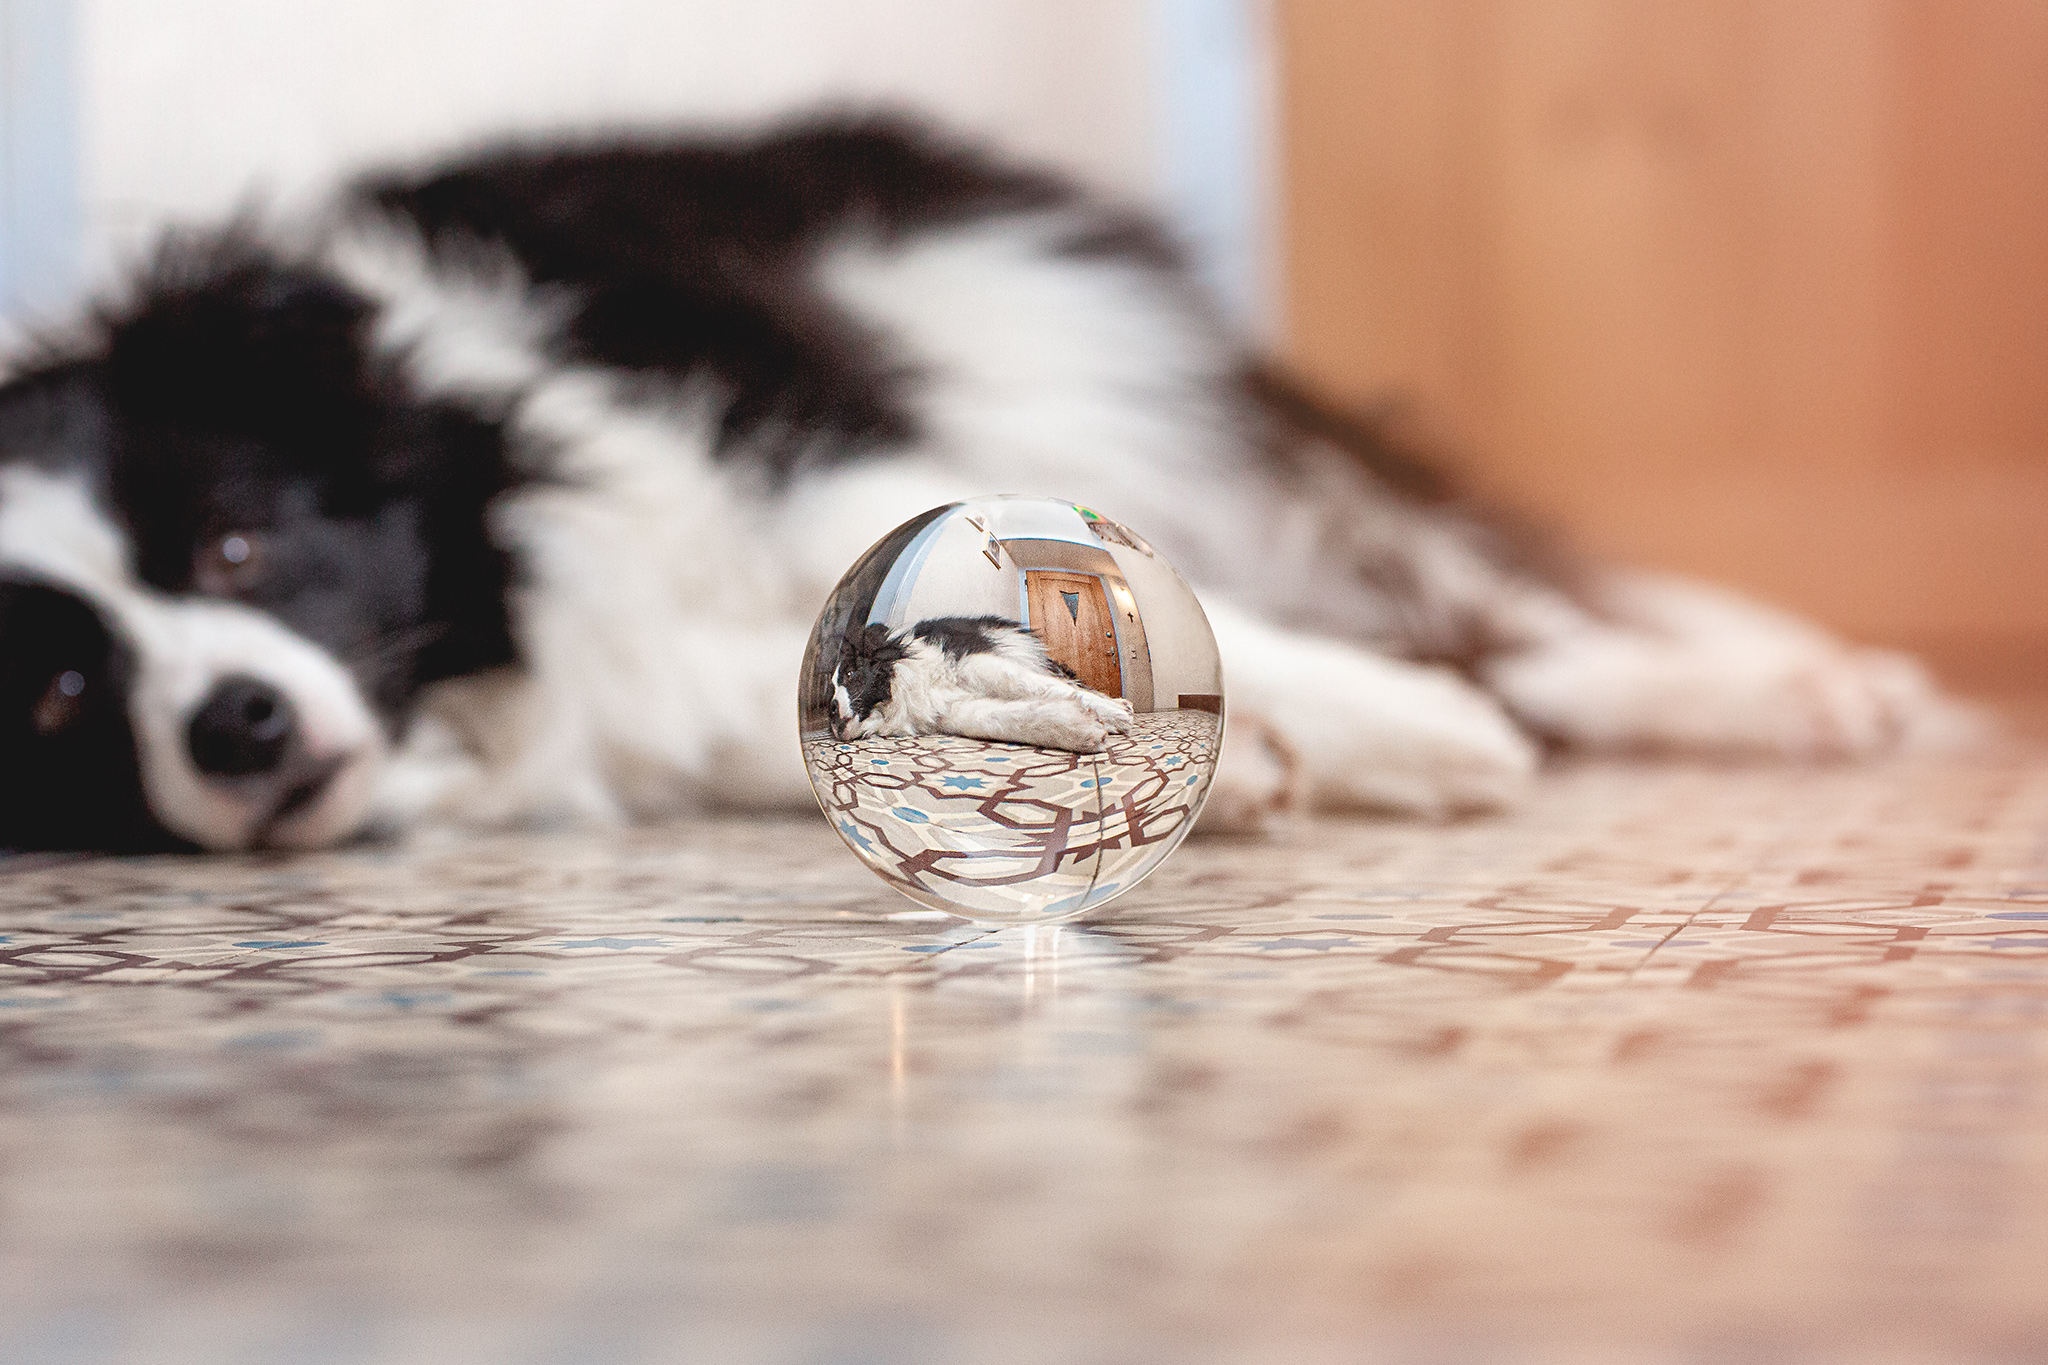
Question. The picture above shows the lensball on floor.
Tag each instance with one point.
(1679, 1064)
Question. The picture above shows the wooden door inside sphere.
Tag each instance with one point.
(1070, 613)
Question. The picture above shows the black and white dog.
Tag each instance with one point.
(509, 491)
(979, 676)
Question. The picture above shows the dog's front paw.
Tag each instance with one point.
(1859, 703)
(1072, 724)
(1445, 750)
(1787, 697)
(1382, 734)
(1081, 735)
(1115, 713)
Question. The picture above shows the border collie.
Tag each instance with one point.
(509, 490)
(978, 676)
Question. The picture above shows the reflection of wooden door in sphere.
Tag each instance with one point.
(1070, 612)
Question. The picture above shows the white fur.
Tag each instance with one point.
(1083, 378)
(51, 527)
(465, 321)
(660, 632)
(1368, 731)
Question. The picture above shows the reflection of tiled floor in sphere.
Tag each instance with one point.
(1004, 828)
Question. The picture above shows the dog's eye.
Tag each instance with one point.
(60, 703)
(229, 565)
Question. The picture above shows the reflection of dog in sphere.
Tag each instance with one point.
(978, 676)
(510, 491)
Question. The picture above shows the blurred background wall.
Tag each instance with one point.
(40, 231)
(1752, 288)
(142, 112)
(189, 103)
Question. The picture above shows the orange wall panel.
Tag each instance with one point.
(1751, 288)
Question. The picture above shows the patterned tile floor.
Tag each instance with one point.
(1678, 1064)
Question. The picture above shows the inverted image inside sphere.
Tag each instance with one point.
(1011, 708)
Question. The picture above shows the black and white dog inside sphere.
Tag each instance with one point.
(1011, 708)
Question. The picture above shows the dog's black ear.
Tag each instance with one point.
(53, 412)
(855, 646)
(888, 648)
(227, 336)
(873, 646)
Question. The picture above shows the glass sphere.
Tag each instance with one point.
(1011, 708)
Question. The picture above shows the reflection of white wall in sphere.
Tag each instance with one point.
(1011, 708)
(1184, 659)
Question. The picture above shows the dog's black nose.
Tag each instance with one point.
(245, 727)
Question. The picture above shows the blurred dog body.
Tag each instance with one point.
(510, 493)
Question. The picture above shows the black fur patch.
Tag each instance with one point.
(960, 636)
(54, 417)
(694, 258)
(66, 748)
(1295, 414)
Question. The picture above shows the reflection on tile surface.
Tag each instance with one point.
(1676, 1065)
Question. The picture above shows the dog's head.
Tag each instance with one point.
(234, 544)
(864, 680)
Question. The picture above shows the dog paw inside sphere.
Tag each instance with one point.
(1011, 708)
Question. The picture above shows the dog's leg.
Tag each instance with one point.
(746, 684)
(1047, 722)
(1368, 731)
(1684, 666)
(426, 778)
(993, 676)
(1113, 712)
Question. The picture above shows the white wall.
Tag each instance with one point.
(1217, 152)
(189, 105)
(39, 225)
(1184, 658)
(117, 116)
(963, 581)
